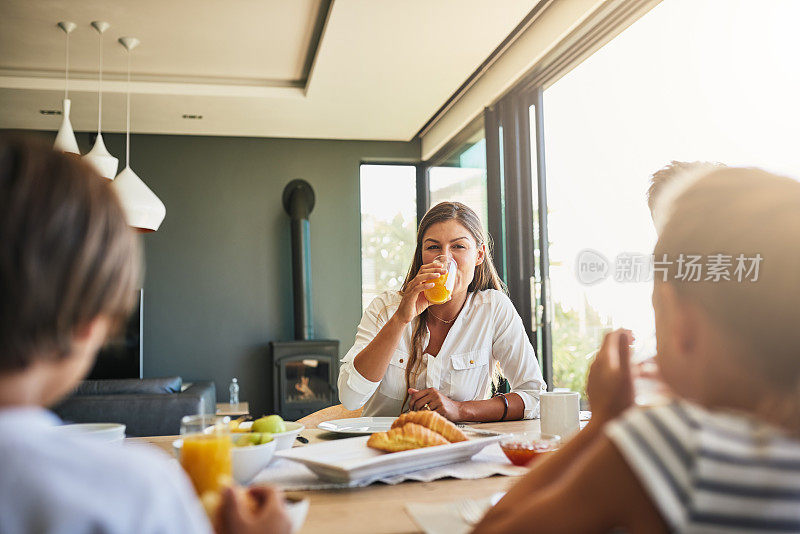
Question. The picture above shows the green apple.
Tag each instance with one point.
(253, 438)
(271, 423)
(245, 441)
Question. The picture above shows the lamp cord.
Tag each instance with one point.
(100, 86)
(128, 118)
(66, 71)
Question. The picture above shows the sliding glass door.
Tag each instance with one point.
(513, 212)
(692, 80)
(569, 165)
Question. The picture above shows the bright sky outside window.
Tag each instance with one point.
(388, 227)
(713, 80)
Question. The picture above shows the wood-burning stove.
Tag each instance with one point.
(304, 376)
(304, 371)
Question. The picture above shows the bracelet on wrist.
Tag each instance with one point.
(505, 405)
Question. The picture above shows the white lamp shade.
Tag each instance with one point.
(65, 139)
(143, 208)
(99, 158)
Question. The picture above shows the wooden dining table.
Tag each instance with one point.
(380, 508)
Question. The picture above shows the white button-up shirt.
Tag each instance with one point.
(487, 330)
(57, 483)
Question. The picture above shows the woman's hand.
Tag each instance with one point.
(610, 384)
(414, 301)
(436, 401)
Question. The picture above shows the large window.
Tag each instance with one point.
(462, 178)
(388, 227)
(710, 80)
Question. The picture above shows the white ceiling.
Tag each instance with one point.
(381, 70)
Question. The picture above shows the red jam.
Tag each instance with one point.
(524, 453)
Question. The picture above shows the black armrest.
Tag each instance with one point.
(206, 391)
(132, 386)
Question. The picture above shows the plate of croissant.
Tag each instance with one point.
(416, 440)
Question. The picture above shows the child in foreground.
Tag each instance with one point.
(724, 454)
(69, 267)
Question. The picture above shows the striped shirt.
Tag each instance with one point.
(712, 471)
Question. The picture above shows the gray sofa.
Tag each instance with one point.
(147, 407)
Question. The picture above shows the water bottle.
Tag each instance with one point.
(234, 391)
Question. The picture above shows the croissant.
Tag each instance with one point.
(403, 438)
(433, 421)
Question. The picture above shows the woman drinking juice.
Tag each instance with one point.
(435, 343)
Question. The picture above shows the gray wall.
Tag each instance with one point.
(218, 281)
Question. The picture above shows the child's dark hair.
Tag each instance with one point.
(67, 255)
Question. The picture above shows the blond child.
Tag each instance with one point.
(724, 454)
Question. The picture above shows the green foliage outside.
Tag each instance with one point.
(390, 245)
(574, 345)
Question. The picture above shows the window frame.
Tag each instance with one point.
(510, 171)
(522, 257)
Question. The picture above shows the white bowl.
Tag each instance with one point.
(297, 509)
(246, 462)
(104, 432)
(283, 440)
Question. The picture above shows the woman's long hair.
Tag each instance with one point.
(485, 274)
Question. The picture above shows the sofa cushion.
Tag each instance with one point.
(129, 386)
(142, 414)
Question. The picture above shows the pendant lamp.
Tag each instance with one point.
(144, 210)
(65, 139)
(99, 157)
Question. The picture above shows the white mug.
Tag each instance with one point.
(560, 411)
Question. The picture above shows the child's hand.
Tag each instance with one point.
(610, 385)
(257, 509)
(647, 369)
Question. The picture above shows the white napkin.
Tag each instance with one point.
(445, 517)
(293, 476)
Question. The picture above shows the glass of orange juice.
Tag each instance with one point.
(443, 286)
(206, 451)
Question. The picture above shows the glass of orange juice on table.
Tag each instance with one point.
(443, 286)
(206, 451)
